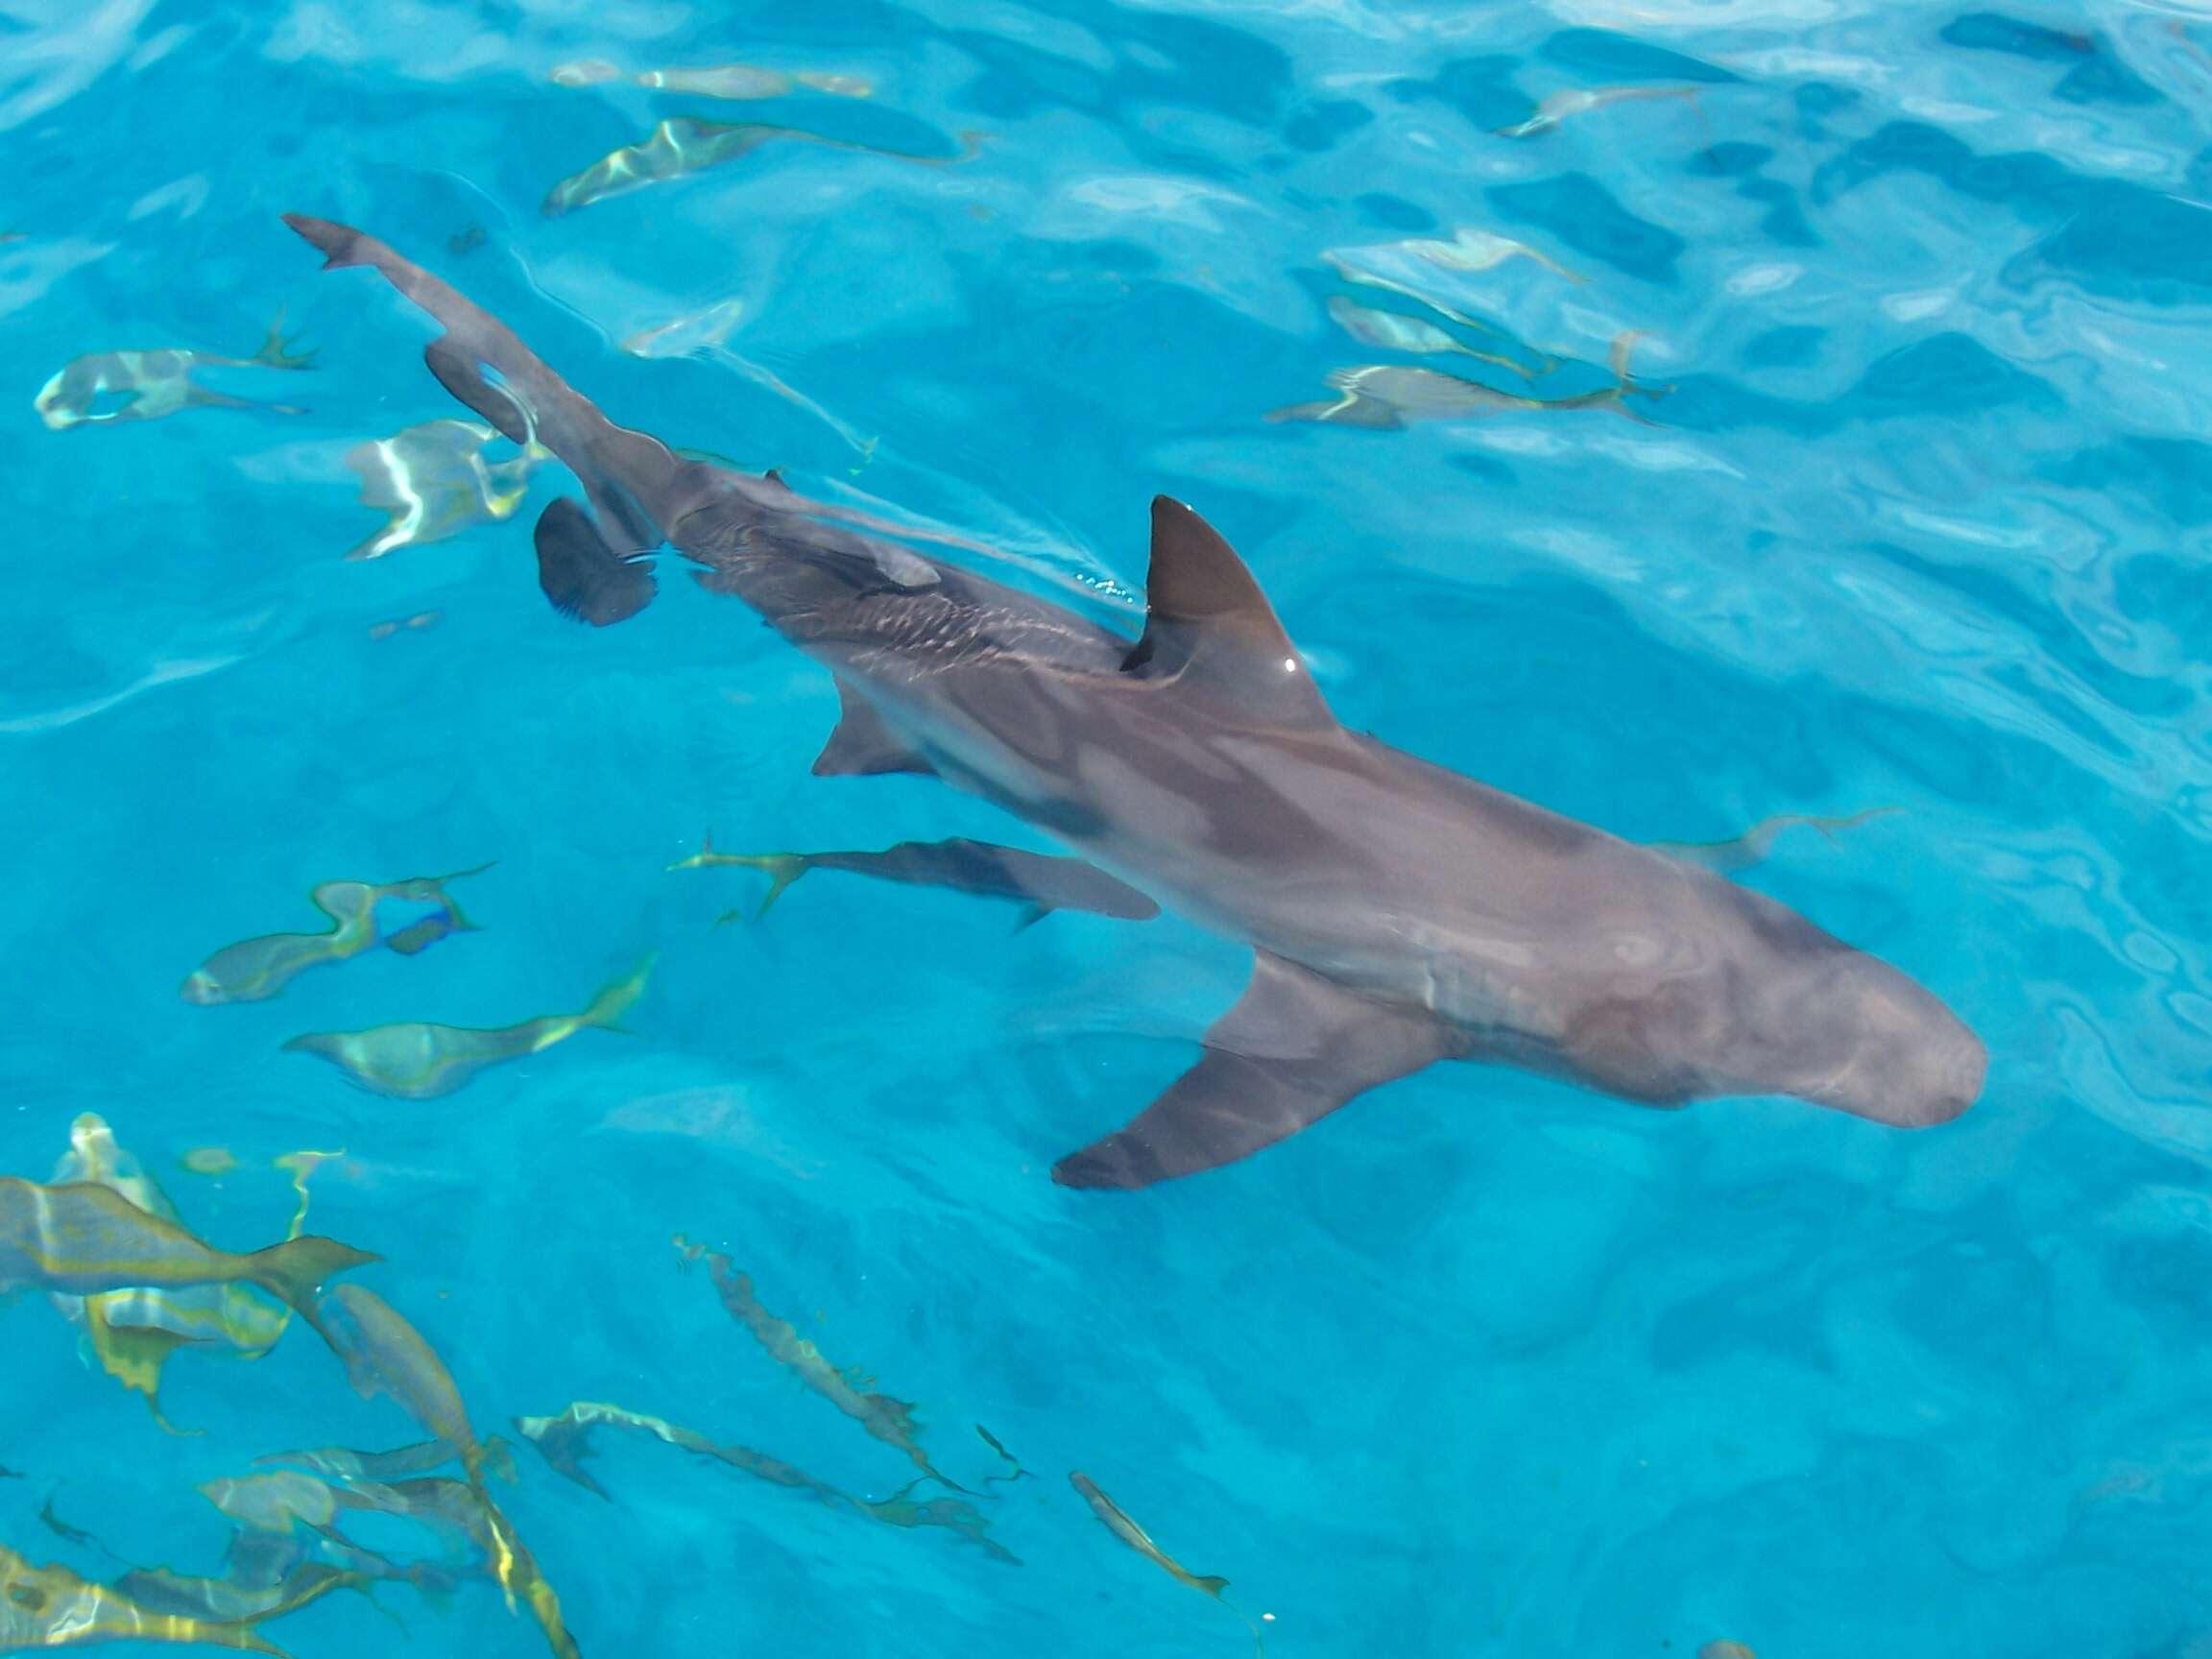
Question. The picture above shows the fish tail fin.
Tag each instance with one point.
(630, 477)
(276, 351)
(617, 999)
(296, 1271)
(780, 868)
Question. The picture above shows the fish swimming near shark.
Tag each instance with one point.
(1400, 913)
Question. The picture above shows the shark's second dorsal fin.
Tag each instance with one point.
(1208, 623)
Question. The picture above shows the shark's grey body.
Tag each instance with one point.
(1401, 913)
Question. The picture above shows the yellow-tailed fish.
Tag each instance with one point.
(1395, 331)
(401, 1463)
(420, 1061)
(272, 1510)
(82, 1240)
(434, 482)
(1470, 250)
(210, 1161)
(148, 385)
(732, 82)
(890, 1421)
(1750, 848)
(1040, 883)
(225, 1601)
(255, 970)
(135, 1331)
(682, 146)
(384, 1354)
(1118, 1522)
(53, 1607)
(705, 333)
(564, 1441)
(1582, 100)
(1387, 396)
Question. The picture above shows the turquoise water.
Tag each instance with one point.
(1482, 1365)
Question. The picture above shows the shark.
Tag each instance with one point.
(1400, 914)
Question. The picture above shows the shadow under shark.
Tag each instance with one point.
(1401, 914)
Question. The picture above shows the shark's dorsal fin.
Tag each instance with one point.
(1206, 623)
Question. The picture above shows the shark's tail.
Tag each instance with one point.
(635, 485)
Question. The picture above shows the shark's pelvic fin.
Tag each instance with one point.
(1294, 1049)
(862, 746)
(581, 575)
(1208, 624)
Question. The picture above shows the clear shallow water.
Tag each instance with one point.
(1483, 1365)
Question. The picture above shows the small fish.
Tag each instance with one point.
(1750, 848)
(256, 970)
(1725, 1651)
(226, 1602)
(733, 82)
(564, 1441)
(384, 1354)
(992, 1440)
(53, 1607)
(705, 333)
(81, 1240)
(434, 482)
(1580, 99)
(153, 384)
(1042, 883)
(134, 1332)
(1395, 331)
(888, 1420)
(420, 1061)
(422, 620)
(401, 1463)
(1118, 1522)
(69, 1534)
(1472, 250)
(1389, 396)
(468, 239)
(681, 146)
(215, 1161)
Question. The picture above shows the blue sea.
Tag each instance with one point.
(1839, 438)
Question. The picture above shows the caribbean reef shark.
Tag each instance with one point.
(1400, 913)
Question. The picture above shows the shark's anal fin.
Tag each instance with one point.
(862, 746)
(581, 575)
(1208, 625)
(1294, 1049)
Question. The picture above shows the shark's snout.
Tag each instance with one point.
(1912, 1063)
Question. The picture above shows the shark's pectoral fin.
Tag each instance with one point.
(862, 746)
(1294, 1049)
(581, 575)
(1207, 625)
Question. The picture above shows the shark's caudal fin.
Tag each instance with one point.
(1293, 1050)
(1208, 625)
(632, 478)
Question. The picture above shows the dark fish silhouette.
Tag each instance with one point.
(1041, 883)
(1400, 913)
